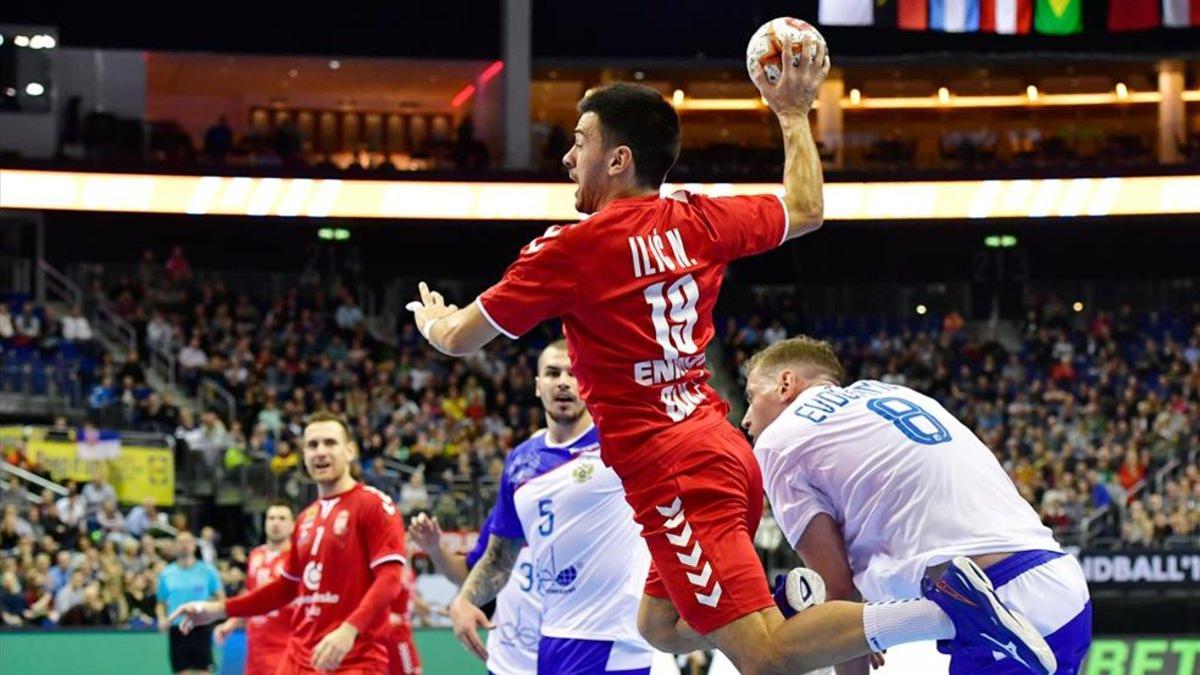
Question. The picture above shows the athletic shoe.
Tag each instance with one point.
(981, 621)
(798, 590)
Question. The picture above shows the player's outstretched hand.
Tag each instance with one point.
(199, 613)
(797, 86)
(467, 620)
(333, 647)
(426, 532)
(431, 307)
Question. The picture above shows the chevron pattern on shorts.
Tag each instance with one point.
(679, 534)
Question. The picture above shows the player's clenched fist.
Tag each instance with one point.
(333, 647)
(467, 620)
(199, 613)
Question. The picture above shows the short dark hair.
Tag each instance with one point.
(280, 504)
(639, 117)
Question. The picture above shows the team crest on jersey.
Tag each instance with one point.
(339, 523)
(584, 472)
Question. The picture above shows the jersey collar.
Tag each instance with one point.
(569, 442)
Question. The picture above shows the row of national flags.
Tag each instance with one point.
(1011, 17)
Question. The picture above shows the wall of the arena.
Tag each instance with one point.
(110, 80)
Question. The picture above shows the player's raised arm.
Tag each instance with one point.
(791, 97)
(427, 534)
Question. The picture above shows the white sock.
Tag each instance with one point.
(887, 624)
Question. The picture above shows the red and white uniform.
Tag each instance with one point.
(635, 285)
(398, 638)
(266, 635)
(341, 544)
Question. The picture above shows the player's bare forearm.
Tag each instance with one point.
(803, 178)
(451, 565)
(492, 571)
(859, 666)
(463, 332)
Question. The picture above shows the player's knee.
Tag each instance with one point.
(654, 631)
(657, 623)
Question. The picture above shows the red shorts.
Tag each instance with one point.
(402, 651)
(698, 517)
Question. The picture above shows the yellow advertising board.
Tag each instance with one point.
(555, 201)
(139, 472)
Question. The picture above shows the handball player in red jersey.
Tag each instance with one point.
(267, 635)
(635, 285)
(343, 569)
(398, 635)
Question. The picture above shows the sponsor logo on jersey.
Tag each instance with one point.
(312, 575)
(339, 523)
(552, 580)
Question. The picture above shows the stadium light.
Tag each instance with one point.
(922, 309)
(335, 64)
(491, 72)
(1032, 93)
(855, 97)
(677, 98)
(1078, 306)
(35, 89)
(1122, 91)
(333, 234)
(21, 40)
(462, 96)
(943, 95)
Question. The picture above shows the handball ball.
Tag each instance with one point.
(765, 51)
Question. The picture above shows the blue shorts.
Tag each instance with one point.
(569, 656)
(1050, 590)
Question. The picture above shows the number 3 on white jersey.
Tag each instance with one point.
(674, 315)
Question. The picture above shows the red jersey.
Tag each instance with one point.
(400, 611)
(398, 639)
(266, 635)
(635, 285)
(338, 543)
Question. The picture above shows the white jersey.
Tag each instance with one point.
(589, 559)
(513, 642)
(910, 485)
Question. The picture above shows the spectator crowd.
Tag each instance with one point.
(78, 560)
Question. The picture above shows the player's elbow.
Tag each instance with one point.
(804, 218)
